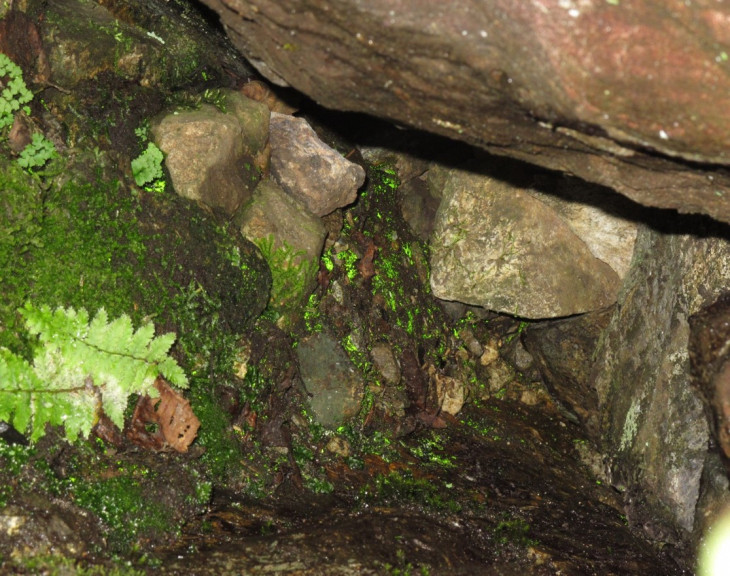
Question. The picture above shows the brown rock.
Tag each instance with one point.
(308, 169)
(618, 93)
(205, 157)
(563, 351)
(709, 348)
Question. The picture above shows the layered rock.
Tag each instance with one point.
(622, 94)
(654, 431)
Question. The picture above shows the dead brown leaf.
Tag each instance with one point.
(163, 423)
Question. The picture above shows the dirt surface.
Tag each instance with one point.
(512, 498)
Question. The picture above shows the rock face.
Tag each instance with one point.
(334, 388)
(617, 93)
(502, 247)
(563, 350)
(654, 428)
(709, 345)
(308, 169)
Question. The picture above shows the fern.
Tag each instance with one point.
(81, 369)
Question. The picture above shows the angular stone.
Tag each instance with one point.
(495, 245)
(335, 391)
(308, 169)
(205, 157)
(592, 213)
(273, 214)
(386, 364)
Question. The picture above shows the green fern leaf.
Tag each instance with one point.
(17, 380)
(81, 369)
(142, 339)
(161, 346)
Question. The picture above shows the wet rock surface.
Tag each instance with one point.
(563, 350)
(509, 497)
(587, 89)
(497, 246)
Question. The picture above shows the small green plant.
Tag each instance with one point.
(36, 154)
(80, 370)
(290, 274)
(147, 168)
(15, 94)
(14, 97)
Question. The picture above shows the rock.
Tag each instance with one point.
(594, 214)
(654, 431)
(419, 207)
(709, 349)
(85, 40)
(335, 391)
(275, 101)
(308, 169)
(38, 527)
(618, 94)
(497, 246)
(563, 350)
(450, 395)
(292, 239)
(254, 119)
(205, 157)
(386, 364)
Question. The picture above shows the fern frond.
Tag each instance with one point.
(81, 369)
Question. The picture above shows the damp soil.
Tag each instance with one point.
(512, 498)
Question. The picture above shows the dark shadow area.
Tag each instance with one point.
(348, 129)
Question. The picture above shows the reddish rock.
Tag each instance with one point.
(632, 95)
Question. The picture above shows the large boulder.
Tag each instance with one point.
(632, 95)
(511, 249)
(654, 430)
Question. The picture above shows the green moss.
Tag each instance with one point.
(402, 486)
(127, 510)
(430, 450)
(291, 274)
(55, 565)
(513, 530)
(223, 455)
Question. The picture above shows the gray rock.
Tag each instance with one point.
(497, 246)
(591, 213)
(205, 156)
(308, 169)
(330, 379)
(655, 434)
